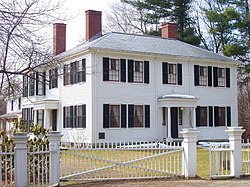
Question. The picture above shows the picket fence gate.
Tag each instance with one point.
(121, 160)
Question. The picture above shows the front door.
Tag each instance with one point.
(174, 122)
(54, 120)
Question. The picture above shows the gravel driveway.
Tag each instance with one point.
(245, 182)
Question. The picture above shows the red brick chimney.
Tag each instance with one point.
(168, 30)
(93, 23)
(59, 38)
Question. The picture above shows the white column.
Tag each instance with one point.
(234, 134)
(46, 119)
(189, 157)
(194, 117)
(169, 123)
(21, 167)
(54, 157)
(35, 117)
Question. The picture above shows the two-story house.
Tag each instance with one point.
(119, 87)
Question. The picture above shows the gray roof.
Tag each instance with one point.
(147, 44)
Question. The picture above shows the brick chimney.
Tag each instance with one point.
(59, 38)
(168, 30)
(93, 23)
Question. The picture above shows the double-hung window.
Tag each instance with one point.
(74, 116)
(40, 117)
(138, 71)
(53, 78)
(138, 116)
(202, 116)
(115, 117)
(171, 73)
(32, 84)
(75, 72)
(202, 75)
(66, 74)
(114, 69)
(221, 77)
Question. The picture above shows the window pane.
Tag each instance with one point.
(222, 116)
(203, 116)
(138, 71)
(202, 75)
(138, 116)
(114, 70)
(172, 74)
(114, 116)
(221, 77)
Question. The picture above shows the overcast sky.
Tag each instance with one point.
(76, 26)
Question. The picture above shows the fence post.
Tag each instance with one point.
(21, 166)
(189, 158)
(234, 134)
(54, 157)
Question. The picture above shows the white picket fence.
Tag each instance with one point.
(24, 165)
(121, 160)
(246, 157)
(220, 156)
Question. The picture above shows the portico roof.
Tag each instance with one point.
(46, 104)
(177, 100)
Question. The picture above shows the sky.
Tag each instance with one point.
(76, 26)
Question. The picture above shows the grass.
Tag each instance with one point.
(203, 167)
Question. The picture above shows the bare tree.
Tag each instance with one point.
(124, 18)
(23, 37)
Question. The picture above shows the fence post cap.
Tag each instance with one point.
(190, 131)
(235, 129)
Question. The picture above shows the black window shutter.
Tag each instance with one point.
(71, 73)
(50, 79)
(123, 116)
(105, 116)
(147, 116)
(84, 116)
(75, 120)
(64, 117)
(123, 70)
(215, 70)
(44, 83)
(196, 75)
(198, 114)
(228, 77)
(179, 68)
(130, 71)
(130, 116)
(216, 116)
(105, 69)
(229, 116)
(84, 70)
(71, 116)
(210, 116)
(146, 72)
(164, 72)
(64, 74)
(37, 82)
(56, 77)
(209, 73)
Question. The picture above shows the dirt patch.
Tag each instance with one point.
(245, 182)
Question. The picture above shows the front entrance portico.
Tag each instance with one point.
(173, 106)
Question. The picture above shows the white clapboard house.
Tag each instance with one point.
(120, 87)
